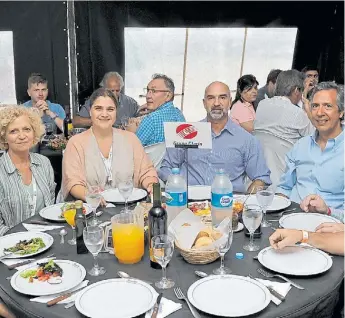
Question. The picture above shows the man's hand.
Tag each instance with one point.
(254, 185)
(42, 105)
(308, 86)
(282, 195)
(133, 125)
(314, 203)
(330, 227)
(285, 237)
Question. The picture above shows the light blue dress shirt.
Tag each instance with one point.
(309, 170)
(233, 149)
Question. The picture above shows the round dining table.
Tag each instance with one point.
(318, 299)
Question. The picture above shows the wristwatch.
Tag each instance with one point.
(54, 116)
(305, 236)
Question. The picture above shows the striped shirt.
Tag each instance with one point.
(14, 201)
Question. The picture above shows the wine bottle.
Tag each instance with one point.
(80, 224)
(158, 221)
(67, 126)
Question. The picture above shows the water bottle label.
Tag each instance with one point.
(221, 200)
(176, 198)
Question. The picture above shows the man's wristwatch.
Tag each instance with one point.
(54, 116)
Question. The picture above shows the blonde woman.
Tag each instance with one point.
(26, 179)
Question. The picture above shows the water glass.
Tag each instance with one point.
(49, 129)
(93, 197)
(264, 196)
(251, 217)
(124, 183)
(163, 249)
(94, 239)
(223, 235)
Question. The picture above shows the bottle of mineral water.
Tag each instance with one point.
(221, 198)
(176, 194)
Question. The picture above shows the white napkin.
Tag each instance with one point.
(110, 205)
(281, 288)
(11, 261)
(166, 308)
(45, 299)
(41, 228)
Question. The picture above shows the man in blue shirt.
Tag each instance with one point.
(159, 101)
(233, 149)
(316, 163)
(50, 113)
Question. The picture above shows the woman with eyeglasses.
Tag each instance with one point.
(242, 109)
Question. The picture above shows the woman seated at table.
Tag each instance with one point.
(242, 110)
(96, 156)
(26, 179)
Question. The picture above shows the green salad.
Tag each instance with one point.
(26, 247)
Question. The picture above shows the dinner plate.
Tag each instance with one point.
(114, 196)
(278, 203)
(295, 260)
(199, 193)
(73, 275)
(10, 240)
(223, 295)
(305, 221)
(239, 228)
(53, 212)
(116, 298)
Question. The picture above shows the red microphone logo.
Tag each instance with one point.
(186, 131)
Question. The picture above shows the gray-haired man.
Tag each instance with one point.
(128, 107)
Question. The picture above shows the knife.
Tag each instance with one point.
(31, 260)
(39, 222)
(156, 307)
(62, 297)
(271, 289)
(6, 255)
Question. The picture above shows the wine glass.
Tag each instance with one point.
(223, 235)
(94, 239)
(125, 185)
(251, 217)
(93, 197)
(163, 249)
(264, 196)
(69, 213)
(49, 131)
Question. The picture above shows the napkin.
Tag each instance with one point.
(110, 205)
(41, 228)
(45, 299)
(281, 288)
(166, 308)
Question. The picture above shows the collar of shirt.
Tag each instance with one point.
(10, 167)
(229, 127)
(332, 142)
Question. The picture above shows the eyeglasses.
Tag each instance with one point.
(154, 91)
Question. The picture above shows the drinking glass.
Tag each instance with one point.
(93, 197)
(264, 195)
(163, 249)
(49, 130)
(69, 215)
(223, 235)
(125, 185)
(94, 239)
(251, 217)
(124, 122)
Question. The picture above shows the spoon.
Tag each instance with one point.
(125, 275)
(63, 232)
(201, 274)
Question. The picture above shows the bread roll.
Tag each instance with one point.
(203, 241)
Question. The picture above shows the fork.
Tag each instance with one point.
(269, 275)
(286, 211)
(179, 294)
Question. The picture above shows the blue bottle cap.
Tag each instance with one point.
(239, 255)
(175, 170)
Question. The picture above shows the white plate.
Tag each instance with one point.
(116, 298)
(53, 212)
(227, 298)
(73, 275)
(239, 228)
(199, 193)
(295, 260)
(278, 203)
(305, 221)
(114, 196)
(10, 240)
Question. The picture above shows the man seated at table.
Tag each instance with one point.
(316, 163)
(159, 99)
(233, 149)
(50, 113)
(128, 107)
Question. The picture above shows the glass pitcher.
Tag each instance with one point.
(127, 232)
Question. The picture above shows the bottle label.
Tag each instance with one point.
(221, 201)
(69, 126)
(176, 198)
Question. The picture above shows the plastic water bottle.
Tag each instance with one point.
(221, 198)
(176, 194)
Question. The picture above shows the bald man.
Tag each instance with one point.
(233, 149)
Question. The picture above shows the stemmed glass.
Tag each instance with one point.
(124, 183)
(94, 239)
(93, 197)
(69, 213)
(223, 235)
(264, 195)
(49, 131)
(163, 249)
(251, 217)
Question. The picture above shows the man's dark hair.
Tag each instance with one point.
(37, 78)
(103, 92)
(307, 68)
(272, 76)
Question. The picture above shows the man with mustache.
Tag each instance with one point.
(233, 149)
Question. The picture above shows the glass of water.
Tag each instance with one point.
(93, 197)
(94, 240)
(251, 217)
(264, 196)
(124, 183)
(163, 249)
